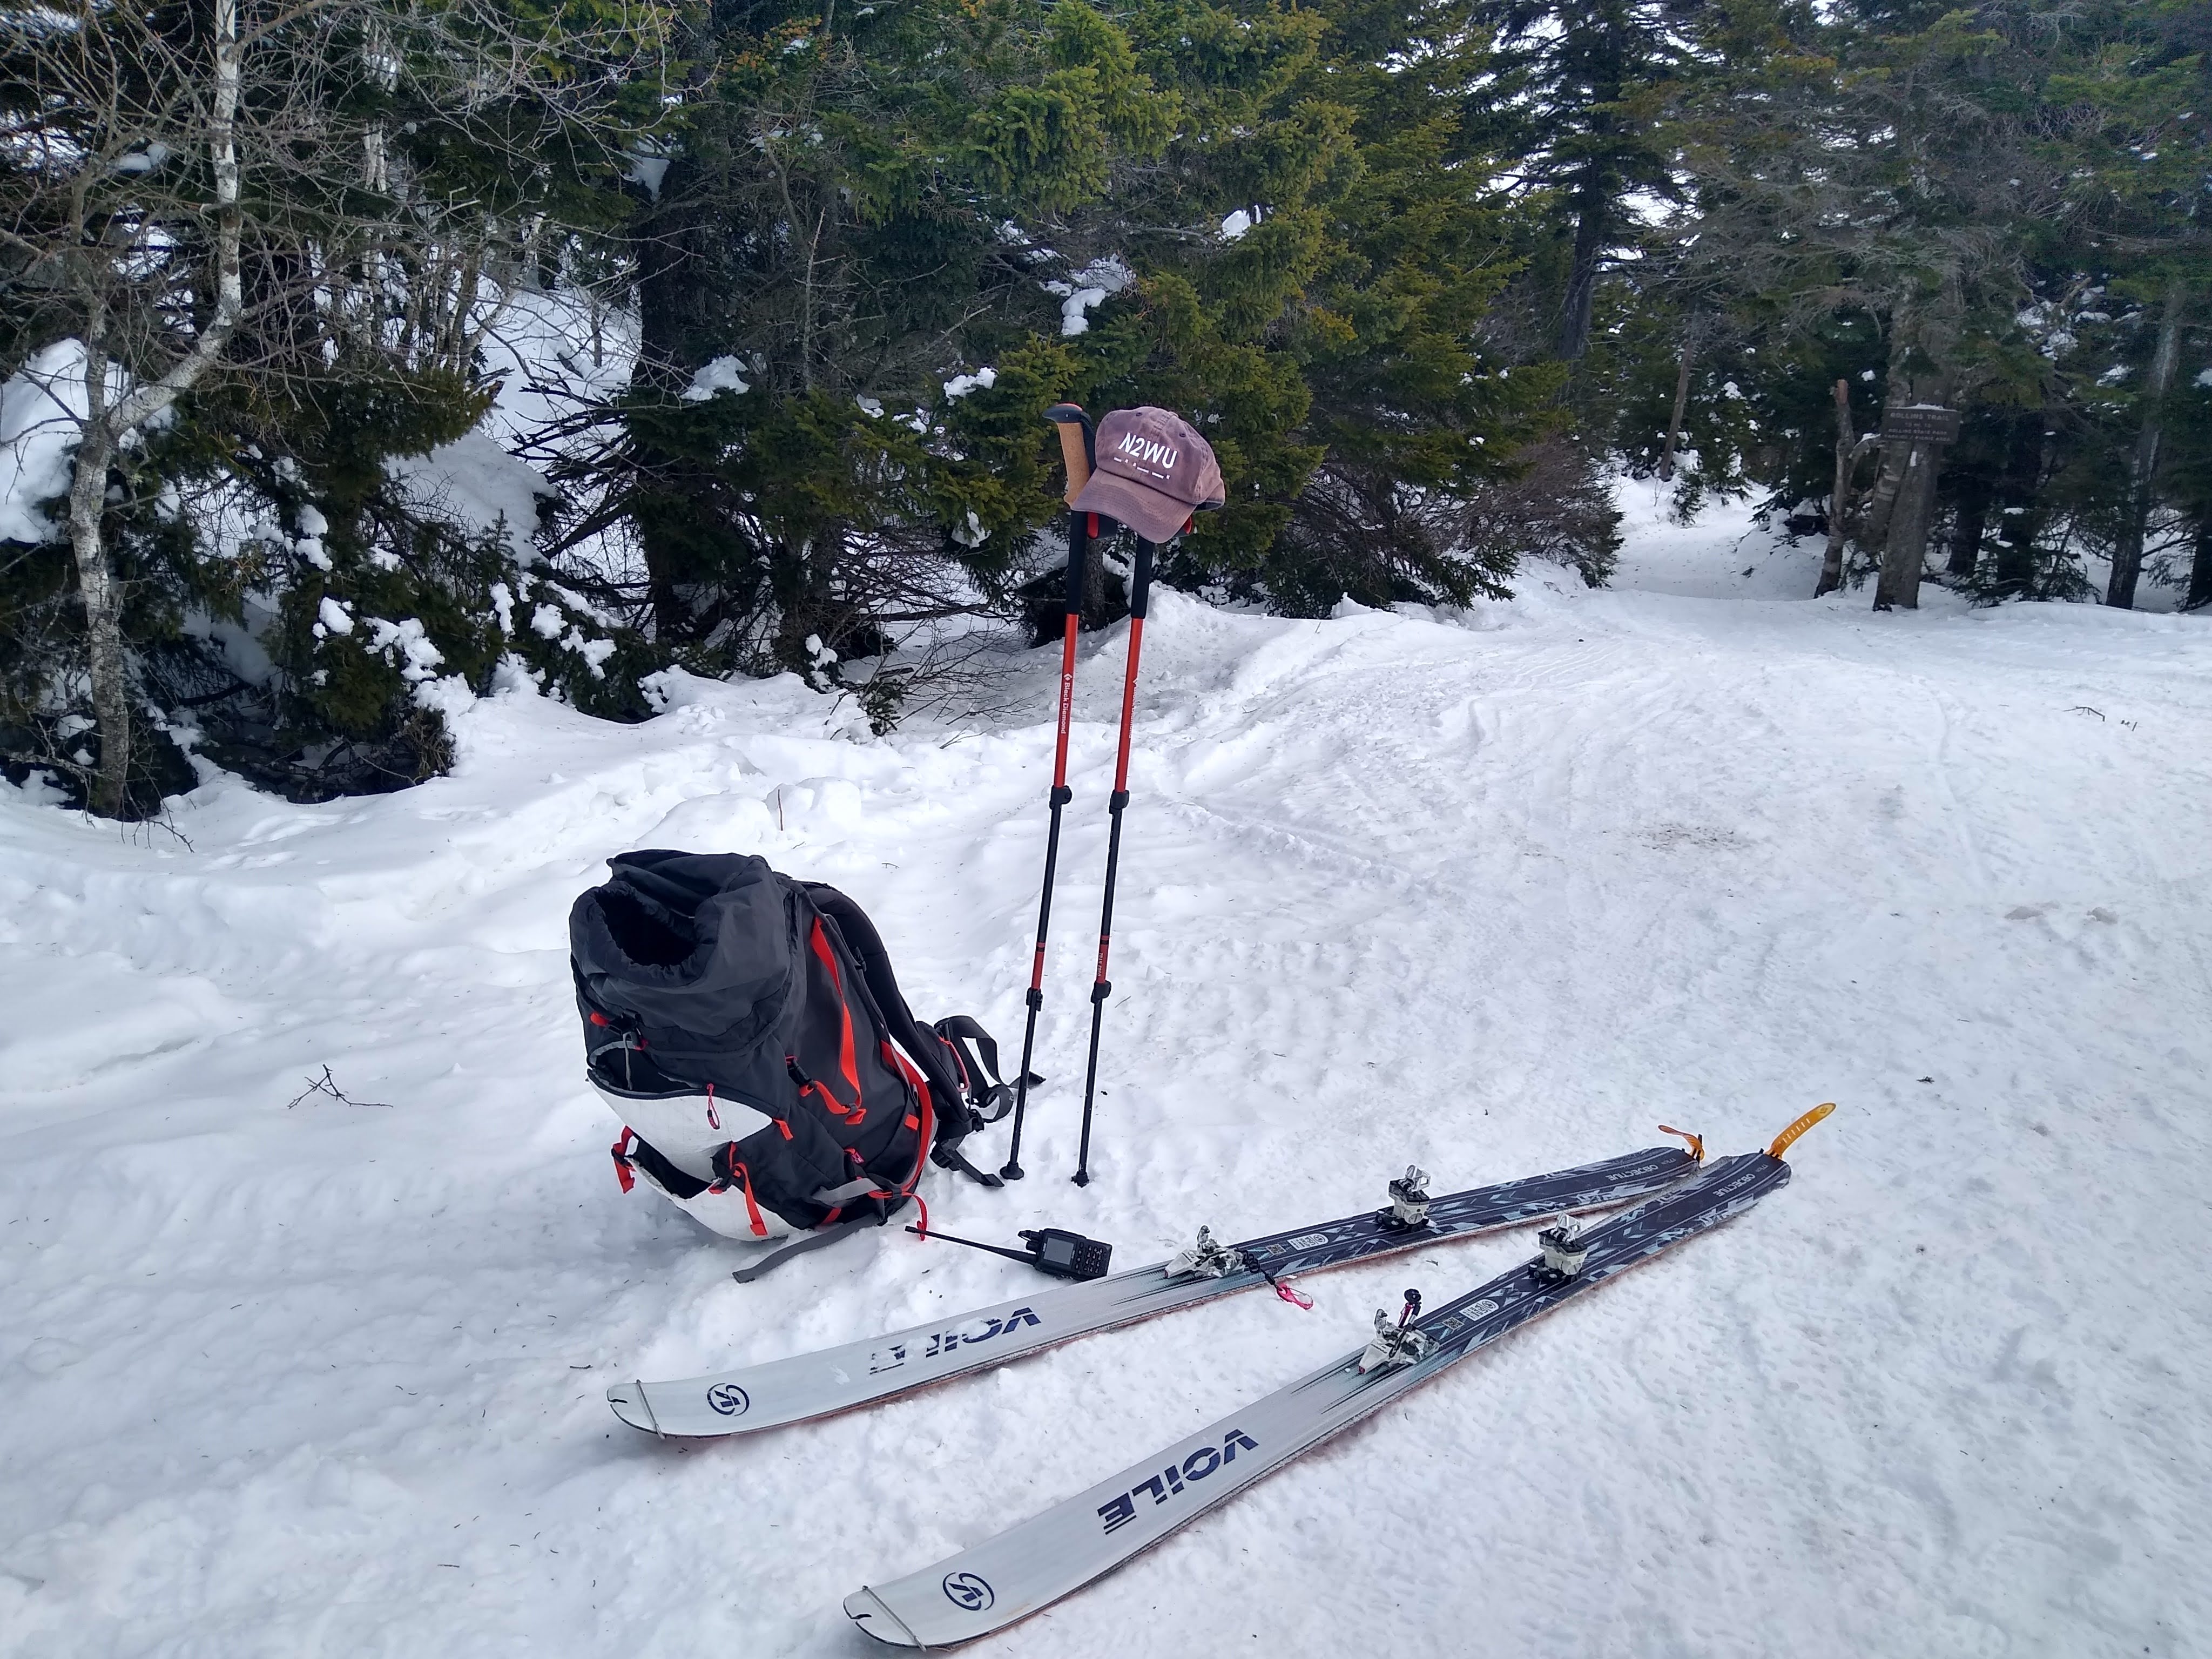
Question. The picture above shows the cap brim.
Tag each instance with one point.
(1151, 513)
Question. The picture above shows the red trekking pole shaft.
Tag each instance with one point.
(1074, 444)
(1140, 596)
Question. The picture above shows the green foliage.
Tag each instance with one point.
(1421, 272)
(870, 207)
(1981, 208)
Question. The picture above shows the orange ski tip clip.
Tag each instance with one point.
(1784, 1141)
(1697, 1142)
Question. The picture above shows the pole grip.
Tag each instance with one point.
(1074, 445)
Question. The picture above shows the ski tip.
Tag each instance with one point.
(629, 1401)
(865, 1608)
(1697, 1142)
(1787, 1138)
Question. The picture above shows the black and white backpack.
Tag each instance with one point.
(748, 1028)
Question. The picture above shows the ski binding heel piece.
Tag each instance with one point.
(1209, 1258)
(1409, 1202)
(1565, 1249)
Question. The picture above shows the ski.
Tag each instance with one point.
(1029, 1567)
(793, 1389)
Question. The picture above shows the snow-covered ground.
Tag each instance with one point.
(1495, 892)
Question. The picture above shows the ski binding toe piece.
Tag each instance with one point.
(1208, 1258)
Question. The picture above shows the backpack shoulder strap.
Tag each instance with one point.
(993, 1099)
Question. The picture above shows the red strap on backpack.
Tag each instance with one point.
(848, 1059)
(927, 1123)
(621, 1149)
(744, 1177)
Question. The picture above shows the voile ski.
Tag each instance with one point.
(886, 1363)
(890, 1358)
(1033, 1564)
(1121, 1510)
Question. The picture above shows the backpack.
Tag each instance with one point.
(748, 1028)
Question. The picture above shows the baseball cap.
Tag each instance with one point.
(1151, 471)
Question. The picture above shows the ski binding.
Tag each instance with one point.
(1401, 1344)
(1565, 1249)
(1208, 1258)
(1409, 1202)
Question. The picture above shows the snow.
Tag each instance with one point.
(41, 407)
(1236, 225)
(481, 486)
(723, 375)
(1087, 290)
(1494, 891)
(1726, 553)
(405, 643)
(649, 171)
(961, 384)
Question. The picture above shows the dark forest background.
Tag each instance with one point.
(1427, 275)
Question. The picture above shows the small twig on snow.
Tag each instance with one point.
(326, 1085)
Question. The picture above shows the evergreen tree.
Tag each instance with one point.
(1584, 92)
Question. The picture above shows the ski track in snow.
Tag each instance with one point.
(1495, 892)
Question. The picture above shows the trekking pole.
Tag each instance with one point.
(1075, 441)
(1139, 594)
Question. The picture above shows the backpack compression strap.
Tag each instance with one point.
(955, 1118)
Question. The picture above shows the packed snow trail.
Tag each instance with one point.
(1492, 893)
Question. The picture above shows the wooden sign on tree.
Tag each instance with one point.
(1919, 423)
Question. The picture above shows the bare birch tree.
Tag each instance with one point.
(215, 185)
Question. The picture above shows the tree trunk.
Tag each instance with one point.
(2200, 565)
(1682, 400)
(1594, 190)
(101, 592)
(1594, 209)
(2134, 522)
(1906, 548)
(1882, 505)
(1839, 493)
(1923, 344)
(106, 424)
(2019, 518)
(1973, 523)
(673, 305)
